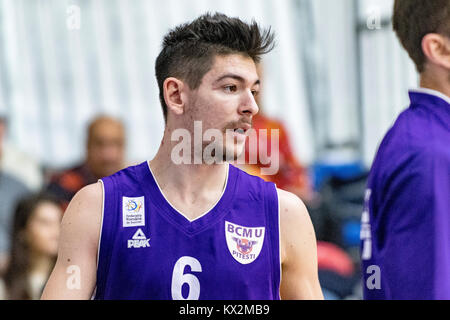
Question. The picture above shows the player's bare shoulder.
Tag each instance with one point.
(84, 213)
(89, 198)
(295, 223)
(292, 210)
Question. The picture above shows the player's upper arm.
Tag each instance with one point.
(298, 250)
(74, 275)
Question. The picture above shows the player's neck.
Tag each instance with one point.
(188, 176)
(185, 184)
(438, 81)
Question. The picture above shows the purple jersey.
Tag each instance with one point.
(405, 230)
(149, 250)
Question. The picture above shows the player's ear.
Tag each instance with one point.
(174, 95)
(436, 48)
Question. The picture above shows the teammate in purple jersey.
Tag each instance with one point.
(167, 229)
(405, 235)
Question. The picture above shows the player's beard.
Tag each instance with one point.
(236, 150)
(225, 149)
(230, 151)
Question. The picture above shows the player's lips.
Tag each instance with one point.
(240, 132)
(242, 129)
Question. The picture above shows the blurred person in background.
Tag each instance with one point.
(105, 151)
(17, 163)
(406, 222)
(34, 246)
(291, 175)
(11, 189)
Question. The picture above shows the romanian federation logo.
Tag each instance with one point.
(133, 206)
(244, 243)
(133, 211)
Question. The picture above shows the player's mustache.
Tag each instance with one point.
(236, 124)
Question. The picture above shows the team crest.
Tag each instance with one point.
(244, 243)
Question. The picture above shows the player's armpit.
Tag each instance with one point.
(300, 279)
(74, 275)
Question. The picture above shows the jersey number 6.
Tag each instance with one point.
(179, 278)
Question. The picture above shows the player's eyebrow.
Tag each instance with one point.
(236, 77)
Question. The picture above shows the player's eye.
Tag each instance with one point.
(230, 88)
(255, 93)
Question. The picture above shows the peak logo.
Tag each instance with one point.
(139, 240)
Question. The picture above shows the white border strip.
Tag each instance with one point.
(103, 215)
(279, 243)
(100, 235)
(431, 92)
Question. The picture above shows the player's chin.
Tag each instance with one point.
(233, 152)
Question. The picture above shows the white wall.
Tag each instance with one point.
(387, 73)
(336, 37)
(55, 79)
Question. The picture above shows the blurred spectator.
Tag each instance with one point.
(337, 225)
(105, 156)
(11, 189)
(291, 176)
(34, 246)
(333, 258)
(18, 164)
(341, 204)
(337, 273)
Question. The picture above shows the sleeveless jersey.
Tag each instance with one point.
(149, 250)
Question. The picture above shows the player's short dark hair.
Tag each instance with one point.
(414, 19)
(189, 49)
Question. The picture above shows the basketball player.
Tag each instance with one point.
(162, 230)
(406, 223)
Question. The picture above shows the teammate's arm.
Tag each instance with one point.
(300, 280)
(74, 275)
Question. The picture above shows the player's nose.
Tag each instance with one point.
(248, 104)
